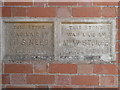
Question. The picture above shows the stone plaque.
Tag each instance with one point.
(86, 41)
(28, 40)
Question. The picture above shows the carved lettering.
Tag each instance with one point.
(29, 39)
(81, 40)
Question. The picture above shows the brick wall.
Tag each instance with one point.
(43, 74)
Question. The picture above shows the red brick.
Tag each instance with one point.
(40, 3)
(118, 69)
(1, 3)
(105, 3)
(40, 79)
(117, 46)
(23, 87)
(62, 3)
(68, 87)
(109, 12)
(63, 80)
(86, 87)
(63, 68)
(6, 11)
(18, 68)
(107, 88)
(116, 78)
(40, 68)
(85, 80)
(118, 58)
(18, 79)
(18, 3)
(62, 87)
(86, 12)
(106, 80)
(41, 12)
(84, 3)
(5, 79)
(67, 12)
(42, 87)
(118, 10)
(118, 35)
(85, 68)
(19, 12)
(118, 23)
(105, 69)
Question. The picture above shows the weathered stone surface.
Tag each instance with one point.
(66, 40)
(28, 40)
(87, 41)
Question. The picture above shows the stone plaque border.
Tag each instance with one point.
(112, 21)
(57, 31)
(23, 20)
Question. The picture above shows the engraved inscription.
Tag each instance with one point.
(28, 40)
(86, 41)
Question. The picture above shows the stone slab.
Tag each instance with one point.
(59, 39)
(28, 40)
(90, 40)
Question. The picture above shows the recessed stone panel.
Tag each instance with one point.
(28, 40)
(66, 40)
(87, 41)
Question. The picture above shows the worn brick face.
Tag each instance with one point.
(85, 68)
(29, 3)
(40, 79)
(62, 3)
(85, 80)
(118, 35)
(63, 80)
(118, 22)
(18, 79)
(13, 87)
(18, 68)
(19, 12)
(118, 12)
(64, 12)
(6, 11)
(109, 12)
(106, 80)
(84, 3)
(40, 3)
(63, 68)
(86, 12)
(41, 12)
(42, 87)
(105, 3)
(40, 68)
(62, 87)
(5, 79)
(118, 46)
(105, 69)
(118, 58)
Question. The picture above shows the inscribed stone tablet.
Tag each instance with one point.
(86, 41)
(28, 40)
